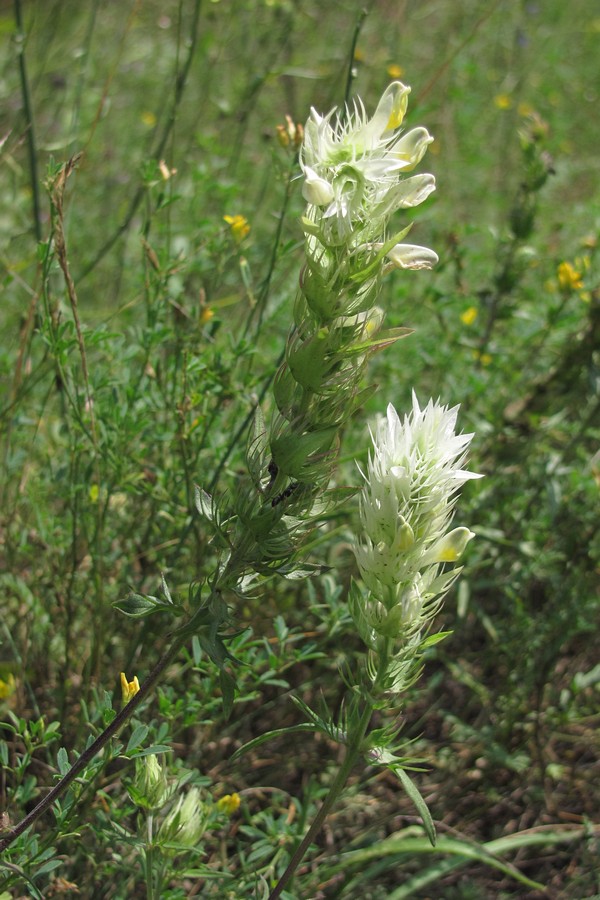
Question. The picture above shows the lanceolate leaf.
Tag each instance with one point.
(420, 804)
(270, 735)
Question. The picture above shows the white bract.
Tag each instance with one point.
(353, 165)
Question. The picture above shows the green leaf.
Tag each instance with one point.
(150, 751)
(204, 504)
(373, 266)
(382, 340)
(136, 606)
(420, 804)
(138, 736)
(433, 639)
(269, 735)
(165, 589)
(62, 761)
(461, 853)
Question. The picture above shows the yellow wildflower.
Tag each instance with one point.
(206, 314)
(8, 686)
(569, 279)
(469, 315)
(129, 688)
(229, 804)
(239, 227)
(484, 359)
(503, 101)
(149, 119)
(395, 71)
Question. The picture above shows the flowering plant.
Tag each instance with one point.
(353, 165)
(414, 473)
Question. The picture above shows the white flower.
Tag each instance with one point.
(352, 165)
(409, 256)
(407, 502)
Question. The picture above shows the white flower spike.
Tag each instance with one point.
(414, 473)
(352, 165)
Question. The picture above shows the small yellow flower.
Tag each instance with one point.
(569, 279)
(503, 101)
(395, 71)
(229, 804)
(149, 119)
(469, 315)
(129, 688)
(206, 314)
(8, 686)
(484, 359)
(239, 227)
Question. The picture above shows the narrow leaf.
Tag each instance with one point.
(137, 605)
(62, 760)
(204, 504)
(227, 691)
(270, 735)
(418, 801)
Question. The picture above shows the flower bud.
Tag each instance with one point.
(129, 688)
(185, 823)
(316, 190)
(151, 788)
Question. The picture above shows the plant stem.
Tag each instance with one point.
(353, 749)
(149, 857)
(30, 132)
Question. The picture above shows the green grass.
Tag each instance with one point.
(505, 715)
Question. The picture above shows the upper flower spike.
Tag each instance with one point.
(352, 165)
